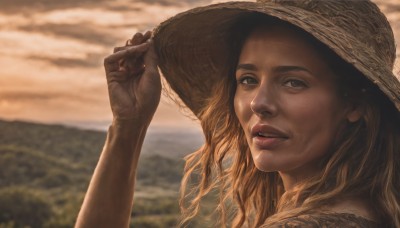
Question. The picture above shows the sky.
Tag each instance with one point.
(52, 52)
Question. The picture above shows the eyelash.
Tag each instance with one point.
(287, 83)
(243, 80)
(291, 81)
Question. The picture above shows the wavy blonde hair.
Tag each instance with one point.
(364, 161)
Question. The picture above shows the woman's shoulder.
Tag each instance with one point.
(325, 220)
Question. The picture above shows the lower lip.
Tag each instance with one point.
(265, 143)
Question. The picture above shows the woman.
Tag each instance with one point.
(298, 104)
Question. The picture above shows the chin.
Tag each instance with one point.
(264, 167)
(264, 161)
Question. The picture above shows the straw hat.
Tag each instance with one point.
(192, 45)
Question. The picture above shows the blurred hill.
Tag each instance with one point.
(45, 171)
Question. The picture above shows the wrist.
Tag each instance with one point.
(125, 137)
(127, 132)
(128, 127)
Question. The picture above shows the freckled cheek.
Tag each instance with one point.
(243, 113)
(306, 112)
(242, 108)
(316, 126)
(309, 108)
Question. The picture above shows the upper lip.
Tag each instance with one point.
(267, 131)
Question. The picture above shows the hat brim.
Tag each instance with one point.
(192, 48)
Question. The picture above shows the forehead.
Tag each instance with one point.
(282, 45)
(285, 36)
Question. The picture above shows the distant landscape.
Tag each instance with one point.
(45, 171)
(51, 72)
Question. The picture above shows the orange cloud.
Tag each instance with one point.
(51, 55)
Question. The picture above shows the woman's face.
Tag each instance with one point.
(286, 100)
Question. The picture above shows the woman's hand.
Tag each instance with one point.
(134, 87)
(133, 80)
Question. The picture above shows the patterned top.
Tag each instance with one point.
(325, 220)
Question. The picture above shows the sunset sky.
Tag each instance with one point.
(52, 51)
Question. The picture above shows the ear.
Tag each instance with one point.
(354, 113)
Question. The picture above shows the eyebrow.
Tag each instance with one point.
(246, 67)
(279, 69)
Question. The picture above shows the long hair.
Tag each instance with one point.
(364, 160)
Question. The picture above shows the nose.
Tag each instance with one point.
(264, 102)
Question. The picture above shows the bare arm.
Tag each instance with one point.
(134, 88)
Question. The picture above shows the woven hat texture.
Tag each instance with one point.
(192, 47)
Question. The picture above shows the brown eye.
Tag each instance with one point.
(295, 83)
(248, 81)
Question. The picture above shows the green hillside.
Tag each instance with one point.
(45, 171)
